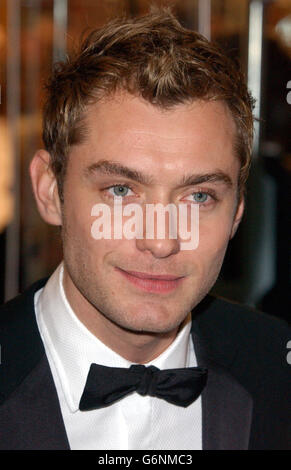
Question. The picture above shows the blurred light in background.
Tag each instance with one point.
(283, 29)
(6, 177)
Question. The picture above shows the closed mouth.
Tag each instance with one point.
(154, 283)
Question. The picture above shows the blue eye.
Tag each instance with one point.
(200, 197)
(119, 190)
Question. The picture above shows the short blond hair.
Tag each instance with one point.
(152, 57)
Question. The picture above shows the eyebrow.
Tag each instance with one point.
(108, 167)
(216, 177)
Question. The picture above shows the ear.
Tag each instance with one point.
(238, 216)
(45, 188)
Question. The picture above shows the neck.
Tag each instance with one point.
(134, 346)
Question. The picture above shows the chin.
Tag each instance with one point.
(155, 322)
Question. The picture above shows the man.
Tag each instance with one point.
(145, 113)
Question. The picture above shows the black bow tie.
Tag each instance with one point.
(106, 385)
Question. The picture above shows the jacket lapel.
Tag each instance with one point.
(35, 405)
(30, 410)
(226, 405)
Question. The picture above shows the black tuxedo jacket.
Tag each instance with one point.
(246, 403)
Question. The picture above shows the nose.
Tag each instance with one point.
(160, 243)
(158, 248)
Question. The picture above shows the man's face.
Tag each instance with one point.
(152, 156)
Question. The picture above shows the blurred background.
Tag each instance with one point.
(36, 33)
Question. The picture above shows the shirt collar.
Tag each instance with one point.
(73, 348)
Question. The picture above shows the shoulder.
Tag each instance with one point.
(253, 345)
(21, 345)
(19, 312)
(222, 316)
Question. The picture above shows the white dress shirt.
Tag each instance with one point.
(134, 422)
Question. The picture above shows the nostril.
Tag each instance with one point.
(159, 248)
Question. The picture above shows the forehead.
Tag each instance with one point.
(131, 131)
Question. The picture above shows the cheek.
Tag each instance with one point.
(214, 236)
(77, 225)
(79, 243)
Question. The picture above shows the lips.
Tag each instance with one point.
(156, 283)
(162, 277)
